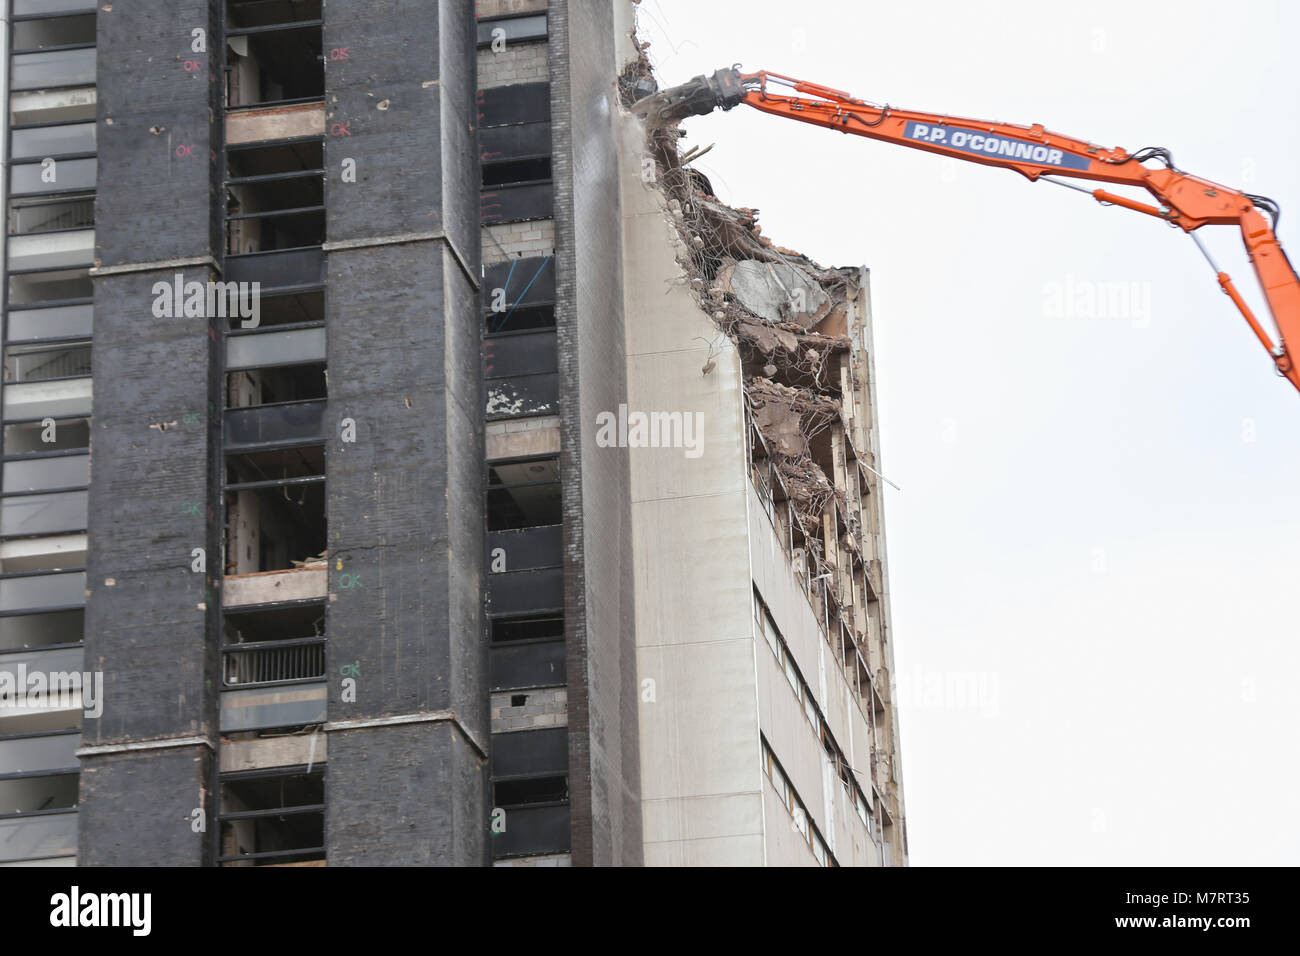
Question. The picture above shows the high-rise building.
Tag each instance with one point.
(396, 530)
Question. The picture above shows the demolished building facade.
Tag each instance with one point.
(436, 613)
(782, 514)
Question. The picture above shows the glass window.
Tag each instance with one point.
(33, 71)
(66, 175)
(770, 633)
(42, 752)
(58, 322)
(24, 8)
(35, 474)
(275, 348)
(819, 851)
(24, 838)
(53, 140)
(791, 674)
(43, 514)
(56, 435)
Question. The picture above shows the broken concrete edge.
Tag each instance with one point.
(785, 313)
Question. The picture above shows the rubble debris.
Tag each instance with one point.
(786, 314)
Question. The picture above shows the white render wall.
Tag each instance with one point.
(701, 775)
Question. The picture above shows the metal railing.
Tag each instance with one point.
(273, 662)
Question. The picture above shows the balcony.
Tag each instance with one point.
(274, 662)
(296, 705)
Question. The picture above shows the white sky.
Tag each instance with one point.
(1100, 516)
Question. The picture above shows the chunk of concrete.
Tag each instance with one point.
(776, 291)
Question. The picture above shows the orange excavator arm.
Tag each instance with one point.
(1186, 201)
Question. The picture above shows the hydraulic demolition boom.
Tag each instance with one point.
(1186, 201)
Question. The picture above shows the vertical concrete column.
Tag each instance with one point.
(150, 618)
(588, 47)
(408, 739)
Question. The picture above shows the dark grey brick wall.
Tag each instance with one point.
(604, 783)
(150, 626)
(405, 501)
(157, 830)
(409, 795)
(159, 131)
(405, 95)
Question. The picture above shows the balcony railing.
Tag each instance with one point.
(274, 662)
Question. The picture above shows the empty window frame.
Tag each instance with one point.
(46, 435)
(526, 651)
(37, 592)
(519, 296)
(46, 214)
(271, 818)
(508, 105)
(530, 792)
(61, 106)
(37, 793)
(508, 30)
(273, 385)
(30, 631)
(46, 362)
(277, 645)
(524, 494)
(57, 287)
(275, 197)
(48, 33)
(275, 510)
(295, 309)
(273, 52)
(520, 171)
(515, 153)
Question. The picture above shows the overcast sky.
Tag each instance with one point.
(1093, 556)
